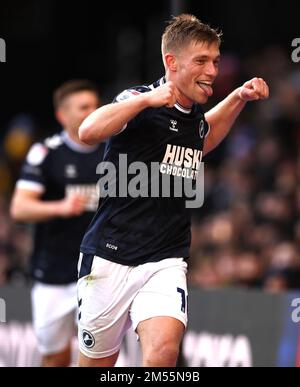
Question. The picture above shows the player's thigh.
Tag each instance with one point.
(160, 333)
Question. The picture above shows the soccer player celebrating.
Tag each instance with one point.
(57, 192)
(132, 265)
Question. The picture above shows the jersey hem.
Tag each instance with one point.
(136, 261)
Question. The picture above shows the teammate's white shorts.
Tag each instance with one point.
(54, 309)
(114, 296)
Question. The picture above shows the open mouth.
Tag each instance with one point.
(206, 87)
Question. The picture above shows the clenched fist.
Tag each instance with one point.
(253, 90)
(163, 95)
(72, 205)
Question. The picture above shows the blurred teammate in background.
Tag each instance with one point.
(57, 192)
(132, 266)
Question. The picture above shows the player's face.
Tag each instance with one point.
(76, 108)
(197, 68)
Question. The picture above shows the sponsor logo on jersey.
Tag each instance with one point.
(88, 339)
(112, 247)
(90, 191)
(182, 162)
(180, 165)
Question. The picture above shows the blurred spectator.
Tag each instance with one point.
(249, 269)
(283, 271)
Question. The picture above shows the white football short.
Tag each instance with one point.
(113, 297)
(54, 310)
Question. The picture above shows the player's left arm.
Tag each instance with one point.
(222, 116)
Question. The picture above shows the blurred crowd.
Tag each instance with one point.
(248, 231)
(15, 239)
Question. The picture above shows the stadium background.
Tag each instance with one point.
(247, 235)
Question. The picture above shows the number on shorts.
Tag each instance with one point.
(183, 299)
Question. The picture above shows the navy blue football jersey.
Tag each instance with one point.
(135, 230)
(56, 168)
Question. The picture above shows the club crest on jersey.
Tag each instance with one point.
(70, 171)
(201, 129)
(173, 126)
(88, 339)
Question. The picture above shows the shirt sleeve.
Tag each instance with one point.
(32, 176)
(127, 94)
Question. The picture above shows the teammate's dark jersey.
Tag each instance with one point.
(133, 231)
(56, 168)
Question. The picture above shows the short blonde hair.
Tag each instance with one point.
(185, 28)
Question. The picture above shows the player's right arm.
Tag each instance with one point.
(109, 119)
(27, 206)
